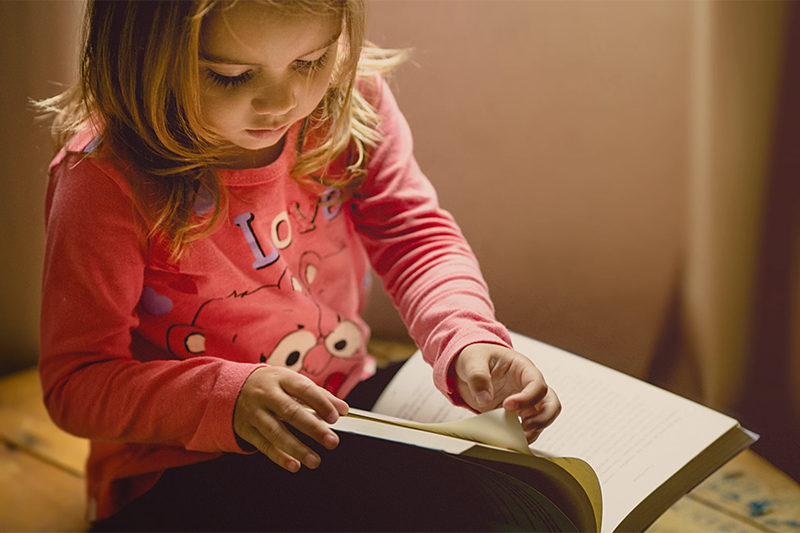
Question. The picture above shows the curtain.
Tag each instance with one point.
(740, 287)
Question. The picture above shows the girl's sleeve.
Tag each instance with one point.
(419, 252)
(93, 275)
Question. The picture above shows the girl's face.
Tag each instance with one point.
(261, 71)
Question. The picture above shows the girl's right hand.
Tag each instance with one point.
(274, 395)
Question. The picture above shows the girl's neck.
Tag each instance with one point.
(258, 158)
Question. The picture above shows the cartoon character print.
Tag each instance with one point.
(289, 322)
(316, 341)
(323, 355)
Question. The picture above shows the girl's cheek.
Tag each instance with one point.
(219, 108)
(317, 92)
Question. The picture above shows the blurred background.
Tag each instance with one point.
(625, 171)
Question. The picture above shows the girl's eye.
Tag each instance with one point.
(228, 81)
(309, 67)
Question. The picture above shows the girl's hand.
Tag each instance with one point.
(488, 376)
(272, 396)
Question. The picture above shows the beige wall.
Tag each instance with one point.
(557, 134)
(37, 55)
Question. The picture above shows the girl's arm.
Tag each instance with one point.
(93, 387)
(93, 276)
(419, 252)
(434, 280)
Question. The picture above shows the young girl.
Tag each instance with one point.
(230, 174)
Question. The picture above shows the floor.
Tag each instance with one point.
(42, 486)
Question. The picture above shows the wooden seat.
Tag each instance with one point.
(42, 474)
(41, 467)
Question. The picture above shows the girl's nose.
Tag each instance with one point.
(277, 99)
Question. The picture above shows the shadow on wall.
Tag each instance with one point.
(773, 370)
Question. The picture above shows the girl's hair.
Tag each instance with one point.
(140, 87)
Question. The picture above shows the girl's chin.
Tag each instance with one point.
(254, 145)
(254, 156)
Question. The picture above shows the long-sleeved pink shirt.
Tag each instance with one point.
(146, 357)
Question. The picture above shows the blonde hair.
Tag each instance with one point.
(140, 86)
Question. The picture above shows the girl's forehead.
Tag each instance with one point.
(308, 7)
(247, 32)
(270, 9)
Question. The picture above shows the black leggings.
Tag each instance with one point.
(364, 485)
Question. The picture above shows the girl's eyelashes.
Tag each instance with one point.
(301, 66)
(309, 67)
(228, 81)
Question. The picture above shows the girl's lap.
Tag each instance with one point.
(365, 484)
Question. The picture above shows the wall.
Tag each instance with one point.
(557, 134)
(38, 43)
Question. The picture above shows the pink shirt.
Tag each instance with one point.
(146, 358)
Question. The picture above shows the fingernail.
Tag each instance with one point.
(330, 441)
(292, 466)
(311, 460)
(483, 397)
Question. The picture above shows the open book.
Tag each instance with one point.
(621, 452)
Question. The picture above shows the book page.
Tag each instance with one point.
(411, 395)
(496, 428)
(634, 435)
(424, 439)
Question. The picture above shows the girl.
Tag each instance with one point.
(230, 173)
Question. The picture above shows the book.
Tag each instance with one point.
(621, 452)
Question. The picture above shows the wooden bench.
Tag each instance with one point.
(42, 470)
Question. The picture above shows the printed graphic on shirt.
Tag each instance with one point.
(281, 227)
(281, 323)
(311, 339)
(203, 203)
(154, 303)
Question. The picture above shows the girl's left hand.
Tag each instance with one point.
(488, 376)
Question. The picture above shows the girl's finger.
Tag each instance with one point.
(278, 443)
(326, 405)
(253, 436)
(476, 374)
(292, 412)
(543, 414)
(274, 454)
(532, 434)
(533, 392)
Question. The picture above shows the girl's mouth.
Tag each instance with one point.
(266, 133)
